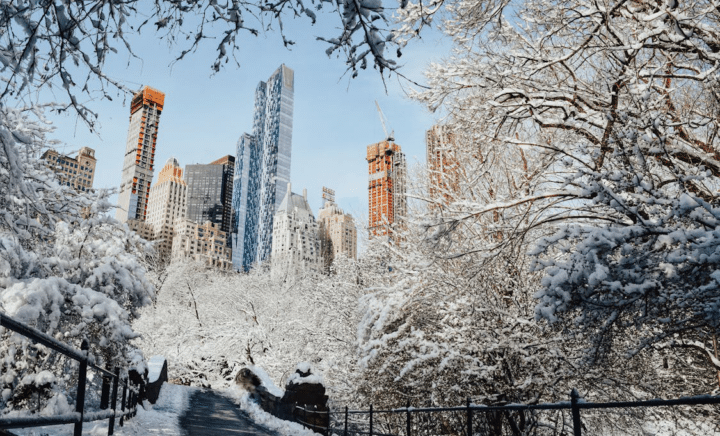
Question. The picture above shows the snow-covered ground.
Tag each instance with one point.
(162, 418)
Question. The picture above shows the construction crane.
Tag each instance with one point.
(383, 120)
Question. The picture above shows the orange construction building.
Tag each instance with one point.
(443, 166)
(386, 186)
(138, 165)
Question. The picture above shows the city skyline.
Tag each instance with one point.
(335, 117)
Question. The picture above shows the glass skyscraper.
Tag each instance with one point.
(262, 169)
(209, 192)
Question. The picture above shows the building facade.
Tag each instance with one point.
(295, 243)
(209, 192)
(443, 167)
(201, 242)
(77, 172)
(337, 233)
(145, 109)
(142, 228)
(263, 169)
(167, 205)
(387, 172)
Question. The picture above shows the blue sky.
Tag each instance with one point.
(204, 115)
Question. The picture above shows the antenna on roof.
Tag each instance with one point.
(383, 120)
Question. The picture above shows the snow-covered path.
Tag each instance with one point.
(210, 414)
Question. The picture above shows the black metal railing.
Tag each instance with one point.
(473, 419)
(310, 417)
(110, 381)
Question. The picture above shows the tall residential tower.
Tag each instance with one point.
(262, 169)
(145, 109)
(167, 206)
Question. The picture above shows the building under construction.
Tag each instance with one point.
(443, 166)
(145, 110)
(386, 186)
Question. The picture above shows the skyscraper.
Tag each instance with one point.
(145, 109)
(210, 189)
(386, 186)
(167, 205)
(262, 169)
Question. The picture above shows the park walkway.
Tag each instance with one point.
(210, 414)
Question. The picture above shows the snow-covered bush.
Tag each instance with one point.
(66, 268)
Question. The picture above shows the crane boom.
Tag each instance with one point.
(391, 135)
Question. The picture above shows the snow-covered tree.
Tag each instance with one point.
(208, 323)
(66, 268)
(621, 100)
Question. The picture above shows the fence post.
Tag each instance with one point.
(577, 424)
(122, 403)
(346, 421)
(111, 424)
(371, 423)
(105, 393)
(469, 418)
(407, 420)
(82, 380)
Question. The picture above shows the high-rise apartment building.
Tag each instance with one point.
(166, 206)
(209, 192)
(77, 172)
(262, 169)
(336, 231)
(295, 244)
(442, 162)
(145, 109)
(386, 186)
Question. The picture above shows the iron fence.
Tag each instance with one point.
(512, 419)
(109, 390)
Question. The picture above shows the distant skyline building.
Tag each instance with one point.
(209, 192)
(201, 242)
(166, 207)
(262, 171)
(387, 172)
(336, 231)
(295, 244)
(443, 167)
(77, 172)
(145, 109)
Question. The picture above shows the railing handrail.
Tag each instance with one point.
(50, 342)
(574, 405)
(682, 401)
(82, 356)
